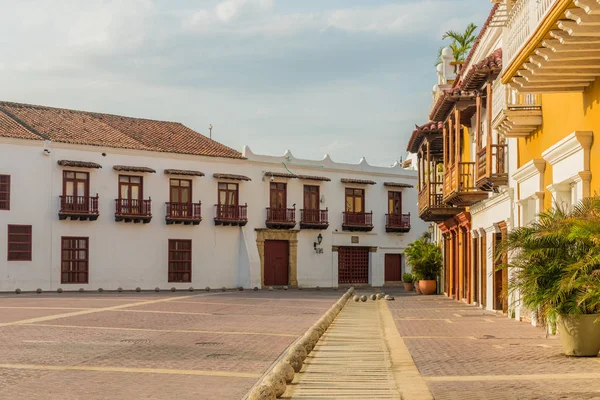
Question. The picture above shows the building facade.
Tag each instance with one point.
(91, 201)
(510, 135)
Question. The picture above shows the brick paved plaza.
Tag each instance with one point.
(466, 353)
(205, 345)
(184, 345)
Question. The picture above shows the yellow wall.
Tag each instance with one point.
(562, 114)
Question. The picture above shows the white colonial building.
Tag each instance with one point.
(93, 201)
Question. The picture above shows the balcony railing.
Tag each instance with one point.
(459, 185)
(135, 210)
(282, 218)
(78, 207)
(231, 215)
(497, 174)
(183, 213)
(357, 221)
(520, 116)
(523, 21)
(314, 219)
(397, 223)
(431, 203)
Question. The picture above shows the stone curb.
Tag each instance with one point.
(274, 382)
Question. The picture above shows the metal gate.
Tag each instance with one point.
(353, 265)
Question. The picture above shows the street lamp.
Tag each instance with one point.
(319, 240)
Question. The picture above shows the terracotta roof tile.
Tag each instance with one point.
(232, 177)
(358, 181)
(396, 184)
(95, 129)
(129, 168)
(78, 164)
(183, 172)
(281, 175)
(314, 178)
(431, 127)
(440, 110)
(478, 74)
(12, 129)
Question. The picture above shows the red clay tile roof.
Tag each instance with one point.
(78, 164)
(129, 168)
(482, 31)
(281, 175)
(444, 105)
(183, 172)
(479, 73)
(400, 185)
(314, 178)
(431, 127)
(232, 177)
(12, 129)
(358, 181)
(95, 129)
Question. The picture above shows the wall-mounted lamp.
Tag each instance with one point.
(319, 240)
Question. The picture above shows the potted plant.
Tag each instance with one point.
(426, 260)
(408, 281)
(555, 270)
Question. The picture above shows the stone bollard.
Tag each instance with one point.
(295, 361)
(18, 291)
(270, 288)
(173, 289)
(256, 288)
(100, 290)
(157, 289)
(207, 289)
(286, 371)
(277, 383)
(373, 297)
(138, 289)
(356, 299)
(300, 351)
(363, 298)
(38, 291)
(59, 290)
(262, 392)
(389, 298)
(191, 289)
(119, 289)
(379, 296)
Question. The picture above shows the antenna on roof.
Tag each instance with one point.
(210, 131)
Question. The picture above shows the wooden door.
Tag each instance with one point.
(483, 255)
(353, 265)
(277, 262)
(474, 268)
(393, 267)
(395, 203)
(497, 274)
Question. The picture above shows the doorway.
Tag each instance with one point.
(393, 268)
(276, 270)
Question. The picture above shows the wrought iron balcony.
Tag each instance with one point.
(431, 205)
(314, 219)
(459, 185)
(233, 215)
(78, 208)
(133, 210)
(183, 213)
(281, 218)
(492, 166)
(397, 223)
(357, 221)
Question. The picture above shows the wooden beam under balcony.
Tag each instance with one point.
(431, 205)
(518, 120)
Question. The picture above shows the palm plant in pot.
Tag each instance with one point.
(409, 282)
(555, 270)
(426, 260)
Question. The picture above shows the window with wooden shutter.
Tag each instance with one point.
(19, 242)
(74, 259)
(4, 192)
(180, 260)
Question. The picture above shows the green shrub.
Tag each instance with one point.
(408, 278)
(425, 258)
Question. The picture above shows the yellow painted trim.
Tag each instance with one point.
(130, 370)
(542, 30)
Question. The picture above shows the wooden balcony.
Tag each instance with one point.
(489, 179)
(357, 221)
(183, 213)
(431, 205)
(133, 210)
(397, 223)
(459, 185)
(314, 219)
(78, 208)
(281, 218)
(232, 215)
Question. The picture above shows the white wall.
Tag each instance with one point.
(129, 255)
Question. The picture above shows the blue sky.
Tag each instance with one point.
(344, 77)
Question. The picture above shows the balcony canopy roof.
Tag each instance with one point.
(78, 164)
(448, 100)
(482, 72)
(431, 130)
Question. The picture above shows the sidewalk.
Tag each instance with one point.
(466, 353)
(361, 356)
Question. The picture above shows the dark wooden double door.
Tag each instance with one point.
(353, 265)
(277, 262)
(393, 267)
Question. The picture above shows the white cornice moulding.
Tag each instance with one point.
(491, 202)
(532, 168)
(576, 141)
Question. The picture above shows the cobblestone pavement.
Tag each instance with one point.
(466, 353)
(183, 345)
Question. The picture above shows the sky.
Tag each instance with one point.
(350, 78)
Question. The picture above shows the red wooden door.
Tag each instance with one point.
(393, 267)
(353, 265)
(276, 263)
